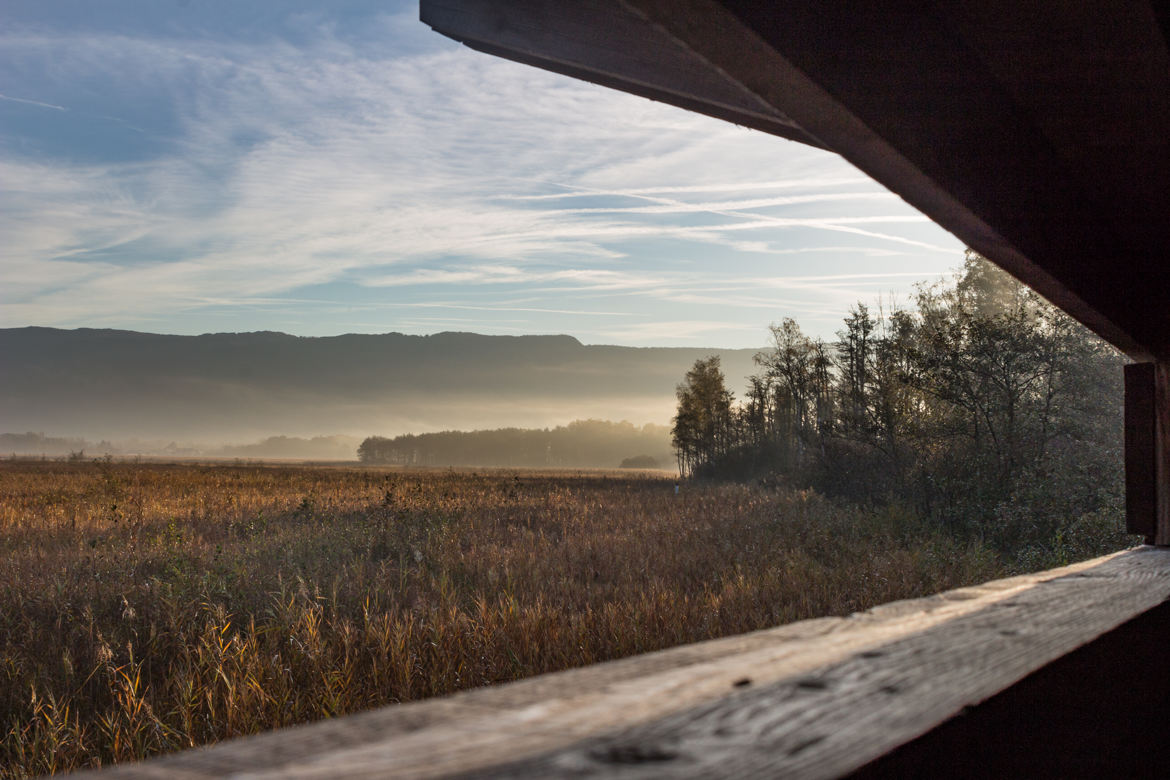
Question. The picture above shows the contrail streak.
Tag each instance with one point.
(34, 103)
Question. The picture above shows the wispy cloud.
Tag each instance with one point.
(677, 207)
(425, 180)
(590, 278)
(659, 332)
(746, 186)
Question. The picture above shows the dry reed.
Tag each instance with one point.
(148, 608)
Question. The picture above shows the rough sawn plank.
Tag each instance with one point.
(833, 721)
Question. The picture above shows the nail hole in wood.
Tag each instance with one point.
(743, 682)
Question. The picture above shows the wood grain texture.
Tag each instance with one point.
(1147, 451)
(1099, 711)
(1162, 452)
(816, 697)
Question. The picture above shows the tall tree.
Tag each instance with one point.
(854, 349)
(797, 369)
(703, 428)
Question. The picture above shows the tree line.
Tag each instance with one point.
(982, 406)
(580, 444)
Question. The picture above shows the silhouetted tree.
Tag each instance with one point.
(981, 400)
(703, 427)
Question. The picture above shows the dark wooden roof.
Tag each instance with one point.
(1036, 132)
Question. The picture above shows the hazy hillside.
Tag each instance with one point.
(238, 387)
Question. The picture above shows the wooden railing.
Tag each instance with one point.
(818, 698)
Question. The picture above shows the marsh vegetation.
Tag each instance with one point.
(146, 608)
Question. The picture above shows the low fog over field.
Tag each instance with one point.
(240, 388)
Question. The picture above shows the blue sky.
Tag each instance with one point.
(324, 168)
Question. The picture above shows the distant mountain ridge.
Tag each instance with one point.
(243, 386)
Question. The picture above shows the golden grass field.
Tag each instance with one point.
(148, 608)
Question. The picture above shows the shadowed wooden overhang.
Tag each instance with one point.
(1036, 132)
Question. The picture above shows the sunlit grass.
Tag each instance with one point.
(147, 608)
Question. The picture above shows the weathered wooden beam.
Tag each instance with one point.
(813, 699)
(1147, 451)
(1141, 467)
(1099, 711)
(603, 42)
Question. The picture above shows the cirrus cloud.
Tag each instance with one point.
(325, 181)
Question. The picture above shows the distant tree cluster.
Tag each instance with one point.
(982, 403)
(40, 444)
(580, 444)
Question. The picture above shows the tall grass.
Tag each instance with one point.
(147, 608)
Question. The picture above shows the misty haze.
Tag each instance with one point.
(208, 392)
